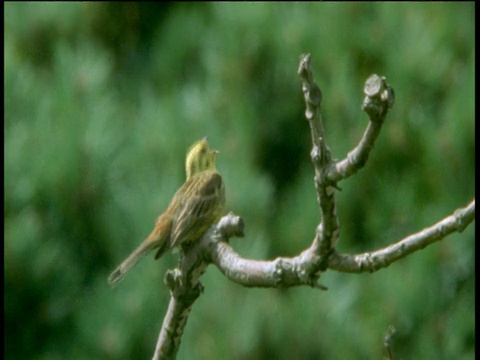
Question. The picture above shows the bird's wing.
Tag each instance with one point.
(201, 202)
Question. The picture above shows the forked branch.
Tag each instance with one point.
(304, 269)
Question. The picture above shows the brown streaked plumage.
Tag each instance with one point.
(194, 208)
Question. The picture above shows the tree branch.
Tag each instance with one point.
(305, 268)
(328, 231)
(382, 258)
(282, 272)
(379, 97)
(185, 288)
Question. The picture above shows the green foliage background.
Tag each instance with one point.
(101, 103)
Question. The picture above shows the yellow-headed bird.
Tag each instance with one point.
(196, 206)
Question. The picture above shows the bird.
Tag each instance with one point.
(196, 206)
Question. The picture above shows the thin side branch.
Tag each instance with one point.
(328, 230)
(382, 258)
(379, 97)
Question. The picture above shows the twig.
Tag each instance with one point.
(382, 258)
(328, 231)
(379, 97)
(388, 340)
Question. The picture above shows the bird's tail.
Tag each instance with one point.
(118, 274)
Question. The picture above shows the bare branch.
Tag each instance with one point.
(172, 329)
(379, 98)
(388, 340)
(303, 269)
(328, 230)
(382, 258)
(185, 288)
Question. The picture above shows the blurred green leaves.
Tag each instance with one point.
(103, 99)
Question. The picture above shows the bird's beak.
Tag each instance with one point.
(215, 152)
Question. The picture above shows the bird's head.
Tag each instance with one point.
(200, 158)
